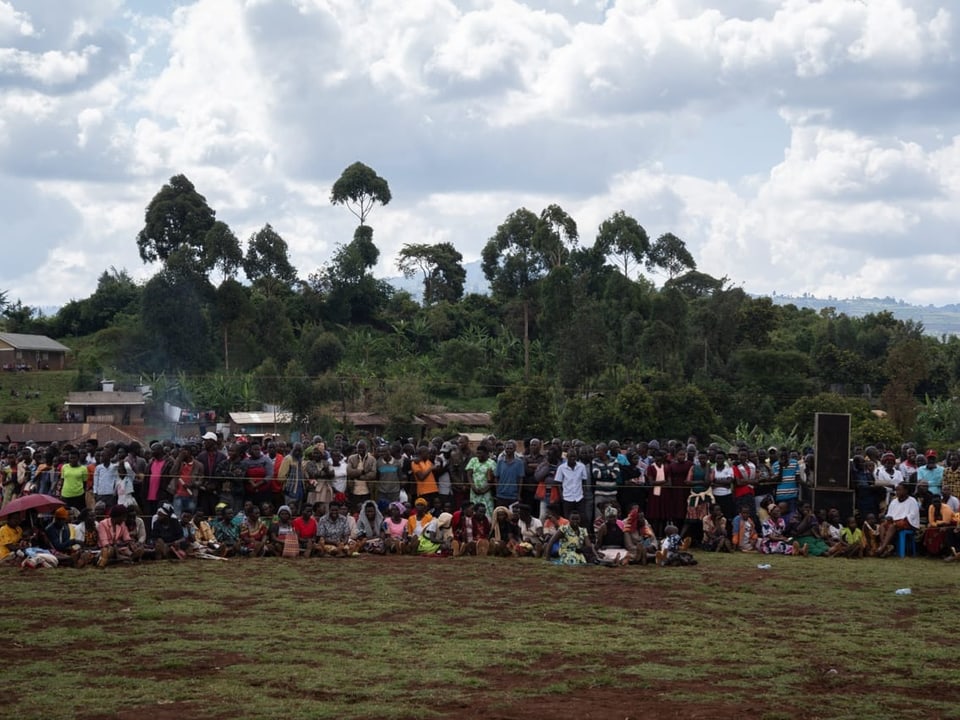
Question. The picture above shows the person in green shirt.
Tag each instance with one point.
(73, 481)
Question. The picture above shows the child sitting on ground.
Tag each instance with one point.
(744, 531)
(871, 535)
(671, 551)
(852, 537)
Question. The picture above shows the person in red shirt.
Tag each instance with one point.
(306, 528)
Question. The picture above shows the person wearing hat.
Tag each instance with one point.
(166, 531)
(60, 539)
(930, 475)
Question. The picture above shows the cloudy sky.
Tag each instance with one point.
(796, 146)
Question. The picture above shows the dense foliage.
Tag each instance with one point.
(571, 337)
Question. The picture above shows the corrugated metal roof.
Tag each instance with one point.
(281, 417)
(46, 433)
(21, 341)
(99, 397)
(451, 418)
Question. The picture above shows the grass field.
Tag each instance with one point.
(53, 386)
(424, 637)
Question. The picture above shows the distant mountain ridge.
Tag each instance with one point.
(937, 320)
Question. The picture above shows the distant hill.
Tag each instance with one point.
(937, 320)
(475, 282)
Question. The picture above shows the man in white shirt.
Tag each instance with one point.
(903, 513)
(571, 477)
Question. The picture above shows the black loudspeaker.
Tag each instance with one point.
(842, 500)
(831, 432)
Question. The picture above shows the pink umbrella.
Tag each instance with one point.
(41, 503)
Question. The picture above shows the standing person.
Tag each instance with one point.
(677, 490)
(186, 471)
(744, 480)
(421, 470)
(209, 484)
(158, 475)
(700, 498)
(531, 461)
(275, 455)
(126, 480)
(547, 492)
(657, 501)
(361, 474)
(105, 478)
(571, 476)
(510, 471)
(723, 486)
(258, 469)
(441, 471)
(231, 476)
(605, 474)
(480, 476)
(293, 478)
(73, 480)
(930, 475)
(388, 476)
(784, 471)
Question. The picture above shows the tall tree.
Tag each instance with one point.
(267, 257)
(177, 218)
(555, 235)
(222, 250)
(359, 188)
(621, 235)
(513, 265)
(669, 253)
(442, 268)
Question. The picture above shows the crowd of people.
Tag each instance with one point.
(564, 501)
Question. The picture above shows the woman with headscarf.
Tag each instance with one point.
(504, 534)
(416, 524)
(611, 541)
(281, 528)
(369, 533)
(774, 540)
(394, 529)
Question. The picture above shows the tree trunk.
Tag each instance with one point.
(226, 350)
(526, 341)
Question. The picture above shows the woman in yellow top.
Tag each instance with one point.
(11, 538)
(940, 522)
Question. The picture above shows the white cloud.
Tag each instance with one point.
(471, 110)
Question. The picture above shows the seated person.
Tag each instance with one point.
(369, 533)
(168, 534)
(471, 530)
(504, 534)
(744, 531)
(306, 528)
(832, 533)
(333, 533)
(852, 537)
(60, 540)
(610, 539)
(226, 529)
(903, 513)
(574, 541)
(254, 535)
(394, 529)
(639, 537)
(531, 532)
(774, 540)
(114, 537)
(804, 528)
(671, 551)
(280, 529)
(715, 531)
(940, 524)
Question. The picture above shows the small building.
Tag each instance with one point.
(259, 424)
(31, 352)
(106, 408)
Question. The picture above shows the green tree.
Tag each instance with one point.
(232, 305)
(622, 236)
(267, 257)
(441, 265)
(555, 235)
(177, 218)
(221, 250)
(635, 412)
(802, 412)
(512, 264)
(669, 253)
(359, 189)
(174, 313)
(525, 410)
